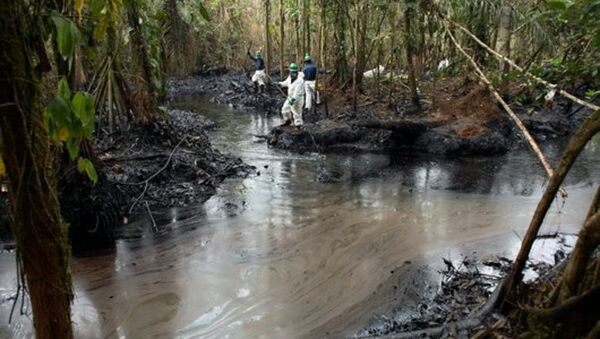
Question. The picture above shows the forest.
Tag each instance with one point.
(299, 169)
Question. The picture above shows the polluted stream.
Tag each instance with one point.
(308, 245)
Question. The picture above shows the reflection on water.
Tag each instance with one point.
(281, 254)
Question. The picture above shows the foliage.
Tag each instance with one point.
(69, 119)
(67, 35)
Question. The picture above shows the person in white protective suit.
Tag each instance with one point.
(259, 77)
(310, 81)
(292, 108)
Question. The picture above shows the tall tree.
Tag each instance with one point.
(268, 37)
(409, 12)
(341, 73)
(40, 233)
(306, 17)
(504, 30)
(297, 29)
(282, 38)
(146, 97)
(360, 27)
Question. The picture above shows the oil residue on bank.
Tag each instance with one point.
(299, 248)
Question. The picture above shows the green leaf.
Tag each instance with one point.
(58, 111)
(67, 35)
(73, 148)
(83, 107)
(203, 11)
(63, 89)
(84, 165)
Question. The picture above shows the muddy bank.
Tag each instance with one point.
(171, 163)
(168, 163)
(233, 89)
(454, 299)
(488, 132)
(459, 119)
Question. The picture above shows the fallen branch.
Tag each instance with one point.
(154, 227)
(532, 143)
(132, 157)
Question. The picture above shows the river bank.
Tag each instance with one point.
(457, 118)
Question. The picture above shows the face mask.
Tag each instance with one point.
(294, 76)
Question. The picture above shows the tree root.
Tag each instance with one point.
(587, 300)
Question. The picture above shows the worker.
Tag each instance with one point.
(292, 108)
(259, 77)
(310, 81)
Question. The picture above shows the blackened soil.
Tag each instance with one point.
(173, 158)
(233, 89)
(462, 291)
(168, 163)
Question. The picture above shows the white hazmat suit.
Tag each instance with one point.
(311, 93)
(260, 77)
(292, 108)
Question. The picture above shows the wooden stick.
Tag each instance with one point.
(532, 143)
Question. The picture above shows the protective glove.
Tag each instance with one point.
(292, 100)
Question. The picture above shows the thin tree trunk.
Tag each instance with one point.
(306, 14)
(587, 241)
(268, 37)
(282, 38)
(298, 37)
(40, 234)
(323, 35)
(146, 100)
(504, 29)
(409, 12)
(341, 73)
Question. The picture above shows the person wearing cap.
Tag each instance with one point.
(259, 77)
(293, 105)
(310, 81)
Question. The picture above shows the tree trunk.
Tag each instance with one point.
(503, 39)
(176, 39)
(268, 38)
(341, 74)
(323, 35)
(306, 13)
(587, 241)
(282, 39)
(40, 234)
(146, 98)
(409, 12)
(360, 26)
(588, 129)
(297, 27)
